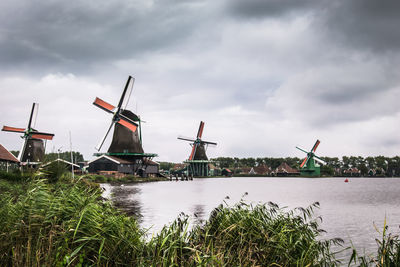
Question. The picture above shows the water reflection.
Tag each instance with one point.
(121, 197)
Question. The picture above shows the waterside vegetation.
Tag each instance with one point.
(65, 221)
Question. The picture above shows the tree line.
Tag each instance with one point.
(381, 165)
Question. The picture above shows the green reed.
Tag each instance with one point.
(69, 223)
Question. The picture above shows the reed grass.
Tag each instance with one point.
(69, 223)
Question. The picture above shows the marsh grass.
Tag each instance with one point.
(69, 223)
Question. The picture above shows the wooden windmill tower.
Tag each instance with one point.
(127, 138)
(33, 148)
(309, 167)
(198, 161)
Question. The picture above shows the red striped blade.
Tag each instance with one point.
(103, 105)
(13, 129)
(128, 125)
(200, 132)
(304, 162)
(42, 136)
(193, 151)
(315, 146)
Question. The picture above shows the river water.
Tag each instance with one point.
(349, 210)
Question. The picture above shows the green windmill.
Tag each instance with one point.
(309, 166)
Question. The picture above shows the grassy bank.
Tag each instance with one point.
(69, 223)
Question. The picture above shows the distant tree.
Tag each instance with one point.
(15, 153)
(166, 165)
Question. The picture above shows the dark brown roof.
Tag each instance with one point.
(285, 168)
(5, 155)
(262, 169)
(150, 162)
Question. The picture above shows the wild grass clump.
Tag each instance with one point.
(387, 255)
(64, 224)
(262, 235)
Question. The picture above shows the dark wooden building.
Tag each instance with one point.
(7, 160)
(116, 164)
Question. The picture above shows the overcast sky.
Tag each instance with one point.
(264, 75)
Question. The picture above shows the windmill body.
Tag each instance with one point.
(33, 148)
(126, 145)
(198, 161)
(310, 166)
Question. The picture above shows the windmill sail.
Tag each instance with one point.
(32, 150)
(198, 146)
(126, 137)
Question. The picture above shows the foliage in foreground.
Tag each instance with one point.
(68, 223)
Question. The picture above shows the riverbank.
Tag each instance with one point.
(122, 180)
(68, 222)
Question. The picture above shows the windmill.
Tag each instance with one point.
(309, 167)
(198, 161)
(126, 137)
(126, 142)
(32, 151)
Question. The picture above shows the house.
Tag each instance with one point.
(7, 160)
(112, 164)
(352, 172)
(226, 172)
(68, 164)
(263, 170)
(152, 168)
(285, 170)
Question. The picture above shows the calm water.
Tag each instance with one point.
(349, 210)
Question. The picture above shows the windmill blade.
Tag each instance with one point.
(22, 150)
(31, 116)
(103, 105)
(209, 143)
(128, 124)
(200, 132)
(304, 162)
(301, 149)
(121, 101)
(194, 147)
(186, 138)
(319, 159)
(315, 146)
(104, 138)
(40, 135)
(13, 129)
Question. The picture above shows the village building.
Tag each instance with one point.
(8, 161)
(285, 170)
(226, 172)
(113, 165)
(263, 170)
(69, 165)
(352, 172)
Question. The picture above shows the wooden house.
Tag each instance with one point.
(285, 170)
(7, 160)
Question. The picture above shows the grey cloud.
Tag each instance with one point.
(81, 33)
(269, 8)
(363, 23)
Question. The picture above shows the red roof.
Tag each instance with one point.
(5, 155)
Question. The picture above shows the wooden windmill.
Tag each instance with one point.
(198, 161)
(127, 138)
(33, 149)
(309, 167)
